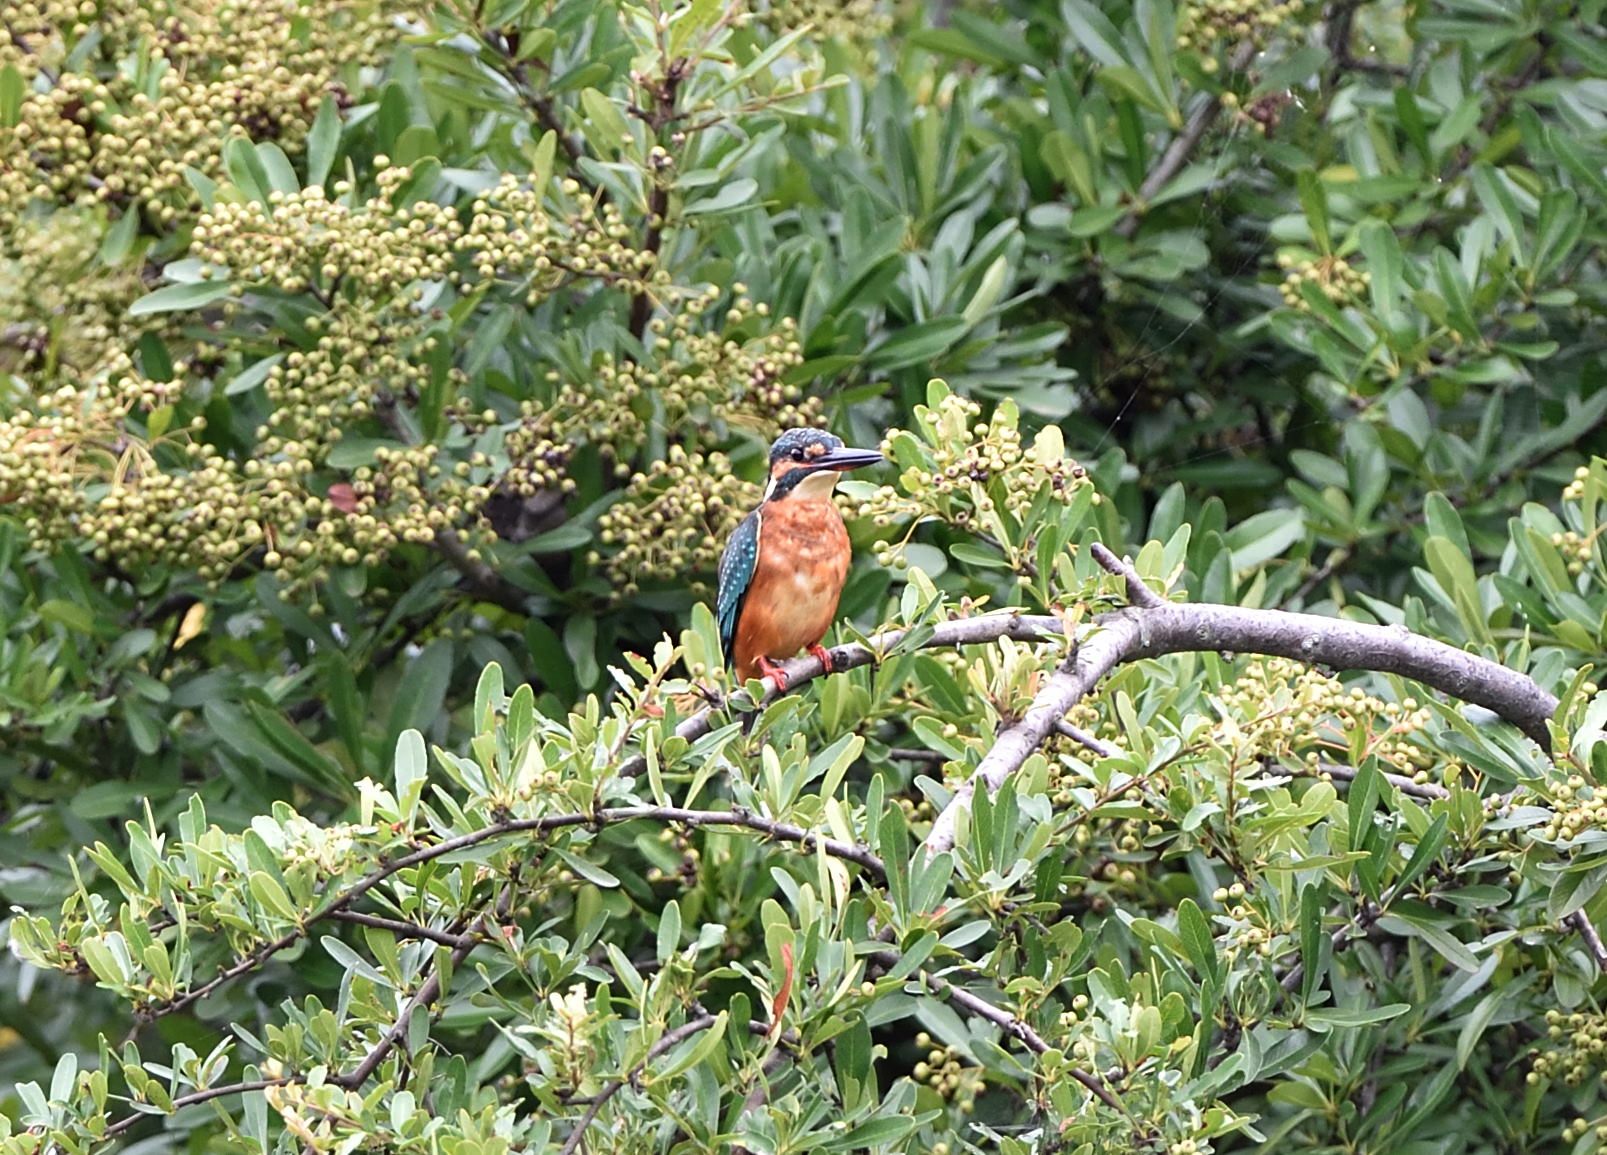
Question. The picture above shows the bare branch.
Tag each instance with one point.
(1580, 921)
(668, 1041)
(1138, 632)
(1098, 745)
(423, 997)
(340, 904)
(1177, 153)
(203, 1096)
(801, 671)
(1138, 591)
(403, 929)
(1005, 1021)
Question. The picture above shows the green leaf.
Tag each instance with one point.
(12, 91)
(178, 298)
(1092, 29)
(1314, 202)
(917, 343)
(323, 142)
(869, 1134)
(732, 194)
(669, 931)
(1195, 931)
(267, 891)
(1327, 1018)
(699, 1050)
(249, 378)
(1311, 936)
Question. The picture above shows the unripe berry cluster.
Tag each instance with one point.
(1204, 25)
(181, 79)
(944, 1071)
(1249, 932)
(511, 236)
(673, 521)
(1333, 276)
(1578, 1045)
(60, 311)
(1279, 707)
(1575, 489)
(854, 21)
(1577, 548)
(1579, 806)
(1261, 114)
(299, 241)
(700, 384)
(965, 472)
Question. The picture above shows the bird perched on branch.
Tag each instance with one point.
(784, 567)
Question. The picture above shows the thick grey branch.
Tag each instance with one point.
(800, 671)
(1156, 630)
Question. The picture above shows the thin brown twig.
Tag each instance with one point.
(668, 1041)
(1011, 1025)
(1083, 738)
(190, 1100)
(1580, 921)
(400, 928)
(1177, 153)
(780, 831)
(483, 581)
(428, 992)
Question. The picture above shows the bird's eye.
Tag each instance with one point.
(798, 455)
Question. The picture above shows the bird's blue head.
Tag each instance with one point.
(809, 461)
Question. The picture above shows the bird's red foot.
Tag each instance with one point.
(768, 669)
(821, 652)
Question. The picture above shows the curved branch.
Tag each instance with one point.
(190, 1100)
(1154, 630)
(1004, 1020)
(780, 831)
(666, 1042)
(801, 671)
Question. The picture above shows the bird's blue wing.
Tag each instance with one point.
(737, 563)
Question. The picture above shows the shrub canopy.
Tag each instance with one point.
(378, 383)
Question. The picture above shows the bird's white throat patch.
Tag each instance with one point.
(818, 485)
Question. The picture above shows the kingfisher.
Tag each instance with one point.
(783, 569)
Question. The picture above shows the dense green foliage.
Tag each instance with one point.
(377, 378)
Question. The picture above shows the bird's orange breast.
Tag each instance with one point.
(803, 561)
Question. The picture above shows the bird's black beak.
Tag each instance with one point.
(847, 458)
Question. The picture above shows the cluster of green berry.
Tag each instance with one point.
(967, 473)
(1580, 1127)
(1248, 932)
(700, 383)
(672, 521)
(1279, 707)
(1575, 489)
(1578, 1044)
(63, 315)
(851, 21)
(1333, 276)
(1579, 806)
(71, 471)
(1261, 114)
(179, 80)
(511, 236)
(1578, 549)
(1205, 25)
(945, 1072)
(303, 241)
